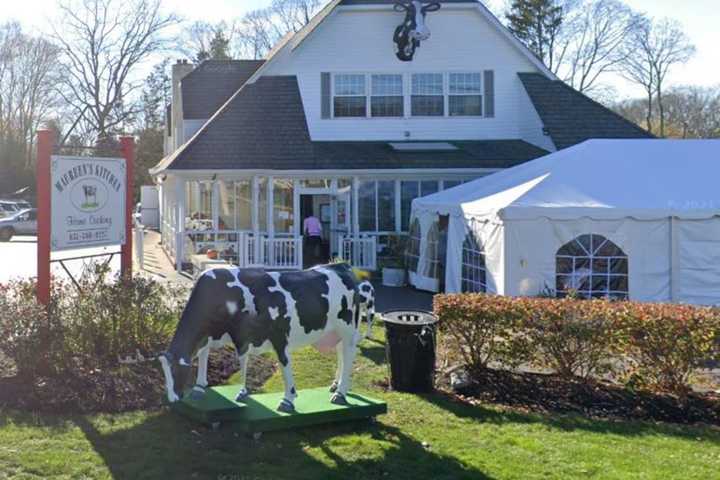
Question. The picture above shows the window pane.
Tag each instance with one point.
(428, 187)
(427, 84)
(408, 192)
(386, 85)
(199, 205)
(243, 207)
(465, 83)
(427, 106)
(465, 105)
(262, 204)
(350, 106)
(386, 206)
(283, 206)
(349, 84)
(451, 183)
(387, 107)
(228, 200)
(366, 194)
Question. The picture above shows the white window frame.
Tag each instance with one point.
(472, 267)
(403, 93)
(334, 94)
(481, 94)
(590, 257)
(411, 94)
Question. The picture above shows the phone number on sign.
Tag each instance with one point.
(88, 236)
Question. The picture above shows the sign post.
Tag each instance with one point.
(45, 141)
(127, 145)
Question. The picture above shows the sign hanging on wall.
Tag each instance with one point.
(88, 202)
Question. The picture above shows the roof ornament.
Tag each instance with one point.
(413, 30)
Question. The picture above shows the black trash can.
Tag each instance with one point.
(410, 349)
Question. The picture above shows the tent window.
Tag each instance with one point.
(474, 275)
(432, 252)
(412, 254)
(592, 267)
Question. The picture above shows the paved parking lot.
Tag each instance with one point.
(18, 259)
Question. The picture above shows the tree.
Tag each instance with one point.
(537, 23)
(693, 112)
(656, 47)
(103, 42)
(596, 33)
(155, 96)
(203, 41)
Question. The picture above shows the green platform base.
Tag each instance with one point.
(259, 414)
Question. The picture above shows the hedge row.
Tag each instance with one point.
(644, 345)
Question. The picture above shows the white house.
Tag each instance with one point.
(336, 123)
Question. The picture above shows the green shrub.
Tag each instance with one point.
(478, 329)
(92, 326)
(663, 344)
(574, 338)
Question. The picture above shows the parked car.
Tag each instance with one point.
(8, 208)
(21, 223)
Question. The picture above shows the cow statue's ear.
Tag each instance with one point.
(401, 7)
(431, 7)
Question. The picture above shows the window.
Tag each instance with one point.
(451, 183)
(465, 96)
(432, 252)
(199, 205)
(350, 96)
(366, 194)
(283, 218)
(262, 204)
(228, 200)
(386, 206)
(412, 252)
(474, 275)
(377, 205)
(592, 266)
(428, 187)
(243, 207)
(387, 96)
(409, 190)
(428, 98)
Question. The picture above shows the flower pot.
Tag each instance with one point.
(393, 277)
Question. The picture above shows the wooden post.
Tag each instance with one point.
(45, 141)
(127, 145)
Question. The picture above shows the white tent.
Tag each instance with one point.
(625, 218)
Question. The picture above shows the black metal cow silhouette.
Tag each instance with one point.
(413, 30)
(90, 194)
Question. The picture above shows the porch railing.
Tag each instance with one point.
(282, 253)
(361, 252)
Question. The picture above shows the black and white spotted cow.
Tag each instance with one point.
(413, 30)
(258, 311)
(367, 305)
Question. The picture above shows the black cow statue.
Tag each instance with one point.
(413, 30)
(258, 311)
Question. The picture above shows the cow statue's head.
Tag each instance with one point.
(177, 373)
(413, 30)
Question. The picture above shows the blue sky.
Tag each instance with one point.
(699, 17)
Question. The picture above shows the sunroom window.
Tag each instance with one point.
(592, 266)
(350, 99)
(474, 275)
(465, 96)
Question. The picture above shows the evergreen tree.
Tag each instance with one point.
(219, 48)
(537, 24)
(156, 96)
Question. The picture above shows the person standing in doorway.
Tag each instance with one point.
(312, 228)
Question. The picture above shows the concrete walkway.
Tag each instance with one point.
(157, 264)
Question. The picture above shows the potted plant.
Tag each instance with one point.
(393, 263)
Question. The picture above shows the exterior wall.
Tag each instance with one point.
(179, 71)
(360, 41)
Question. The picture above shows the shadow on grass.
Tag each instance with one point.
(570, 421)
(167, 446)
(373, 351)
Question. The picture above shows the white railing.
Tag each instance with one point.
(282, 253)
(139, 241)
(361, 252)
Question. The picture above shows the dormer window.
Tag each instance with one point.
(350, 98)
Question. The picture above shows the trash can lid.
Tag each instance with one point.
(409, 317)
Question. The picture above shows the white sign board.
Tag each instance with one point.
(87, 202)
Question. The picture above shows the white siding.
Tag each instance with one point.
(361, 41)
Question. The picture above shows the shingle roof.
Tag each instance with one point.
(207, 88)
(570, 117)
(263, 126)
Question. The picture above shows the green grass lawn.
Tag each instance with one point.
(421, 437)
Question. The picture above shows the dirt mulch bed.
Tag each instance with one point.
(118, 389)
(548, 393)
